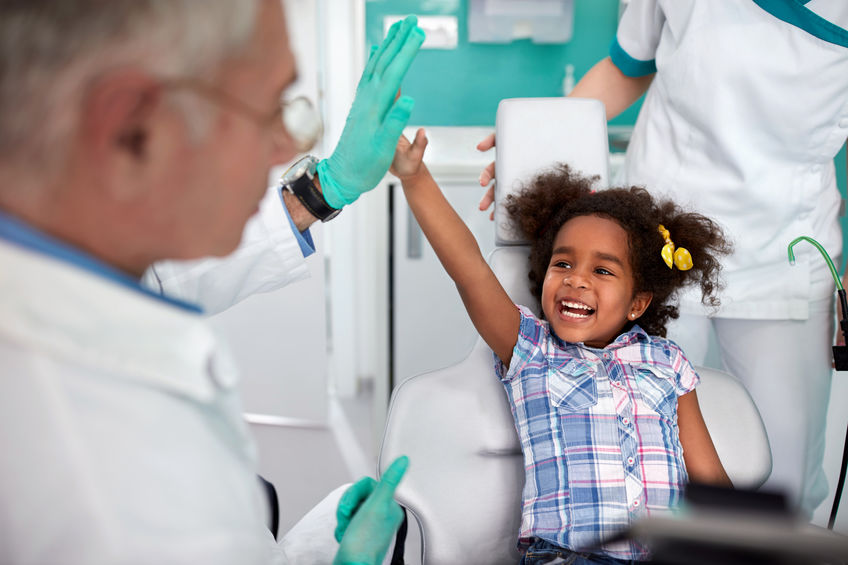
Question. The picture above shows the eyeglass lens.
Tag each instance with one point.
(302, 122)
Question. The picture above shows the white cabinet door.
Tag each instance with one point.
(279, 340)
(430, 326)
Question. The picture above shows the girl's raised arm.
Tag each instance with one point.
(491, 310)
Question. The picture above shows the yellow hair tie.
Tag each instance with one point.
(681, 258)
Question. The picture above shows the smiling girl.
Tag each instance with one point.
(604, 405)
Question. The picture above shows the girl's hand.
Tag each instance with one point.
(409, 156)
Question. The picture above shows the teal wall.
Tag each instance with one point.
(462, 86)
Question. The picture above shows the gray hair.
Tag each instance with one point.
(51, 49)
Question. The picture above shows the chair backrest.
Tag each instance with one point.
(464, 483)
(533, 134)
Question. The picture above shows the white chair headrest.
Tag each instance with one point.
(524, 149)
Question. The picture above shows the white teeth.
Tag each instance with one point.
(575, 305)
(568, 314)
(567, 308)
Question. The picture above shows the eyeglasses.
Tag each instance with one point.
(295, 120)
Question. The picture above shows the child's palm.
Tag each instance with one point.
(408, 156)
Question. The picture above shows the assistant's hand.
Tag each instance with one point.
(408, 156)
(369, 517)
(487, 176)
(375, 120)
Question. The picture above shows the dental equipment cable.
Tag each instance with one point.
(840, 359)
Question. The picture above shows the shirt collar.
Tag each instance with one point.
(634, 334)
(631, 336)
(20, 233)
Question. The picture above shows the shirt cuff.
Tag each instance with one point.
(304, 238)
(628, 65)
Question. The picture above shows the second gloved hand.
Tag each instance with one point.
(368, 518)
(375, 121)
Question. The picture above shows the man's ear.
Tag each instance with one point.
(640, 303)
(117, 116)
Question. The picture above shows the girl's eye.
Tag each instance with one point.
(562, 265)
(602, 271)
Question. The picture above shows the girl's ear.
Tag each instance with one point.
(639, 304)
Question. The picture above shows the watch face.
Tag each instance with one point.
(298, 169)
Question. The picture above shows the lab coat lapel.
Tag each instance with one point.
(72, 313)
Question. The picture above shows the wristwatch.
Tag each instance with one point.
(298, 181)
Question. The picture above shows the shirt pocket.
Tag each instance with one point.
(572, 386)
(656, 385)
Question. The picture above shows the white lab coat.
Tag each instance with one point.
(121, 427)
(742, 122)
(120, 419)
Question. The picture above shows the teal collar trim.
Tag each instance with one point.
(794, 12)
(628, 65)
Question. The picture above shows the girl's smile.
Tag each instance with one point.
(575, 309)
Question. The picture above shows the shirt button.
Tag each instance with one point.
(630, 461)
(635, 504)
(625, 421)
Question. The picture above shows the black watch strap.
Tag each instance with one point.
(299, 181)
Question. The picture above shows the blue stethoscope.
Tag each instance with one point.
(840, 359)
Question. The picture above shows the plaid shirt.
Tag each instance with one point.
(598, 428)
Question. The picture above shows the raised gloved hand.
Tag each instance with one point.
(375, 120)
(368, 517)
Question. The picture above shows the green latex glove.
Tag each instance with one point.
(368, 518)
(375, 120)
(350, 502)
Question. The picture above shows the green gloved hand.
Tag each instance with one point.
(350, 502)
(369, 518)
(375, 120)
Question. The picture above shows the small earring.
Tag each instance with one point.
(632, 315)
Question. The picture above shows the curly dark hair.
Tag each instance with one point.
(558, 195)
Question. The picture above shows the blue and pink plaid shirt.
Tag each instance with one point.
(598, 428)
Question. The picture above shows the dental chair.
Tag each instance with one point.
(463, 487)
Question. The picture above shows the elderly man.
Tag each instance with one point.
(132, 132)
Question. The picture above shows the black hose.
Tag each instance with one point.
(839, 484)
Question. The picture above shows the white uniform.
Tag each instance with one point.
(120, 419)
(746, 112)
